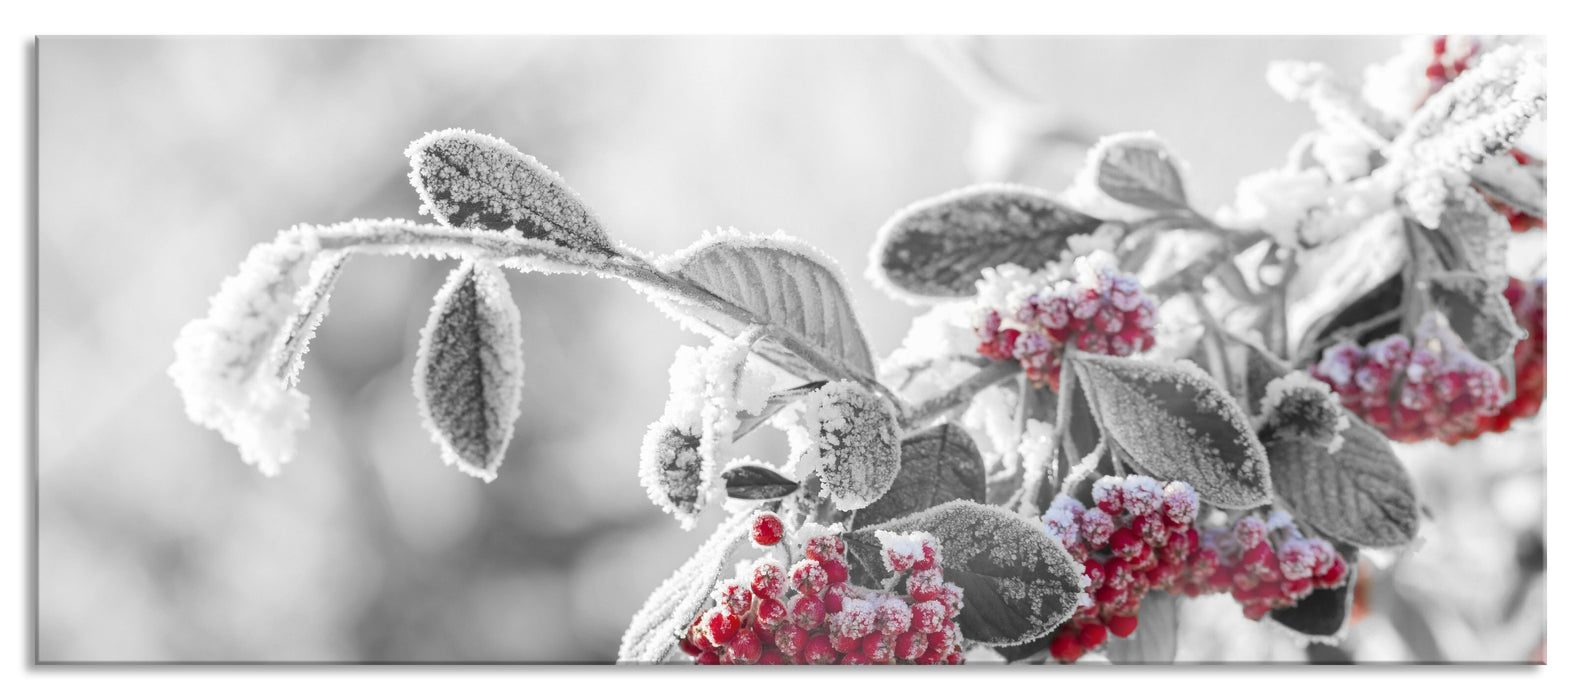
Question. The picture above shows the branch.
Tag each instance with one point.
(958, 395)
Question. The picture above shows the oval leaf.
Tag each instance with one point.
(757, 482)
(1138, 169)
(939, 247)
(1154, 640)
(1177, 424)
(468, 377)
(856, 443)
(467, 179)
(656, 628)
(1478, 313)
(786, 285)
(1018, 583)
(1358, 494)
(938, 465)
(1323, 614)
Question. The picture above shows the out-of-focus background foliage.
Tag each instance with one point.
(162, 160)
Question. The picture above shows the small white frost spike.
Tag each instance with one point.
(857, 448)
(222, 368)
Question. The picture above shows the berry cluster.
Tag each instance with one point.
(1102, 311)
(1265, 565)
(1138, 536)
(1437, 390)
(1528, 300)
(811, 614)
(1447, 63)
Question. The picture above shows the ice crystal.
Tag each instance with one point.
(858, 446)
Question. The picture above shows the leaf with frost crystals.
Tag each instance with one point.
(1471, 236)
(758, 482)
(1178, 425)
(1322, 615)
(784, 284)
(1137, 169)
(469, 372)
(1359, 494)
(656, 627)
(1480, 113)
(671, 471)
(1478, 312)
(938, 465)
(1017, 582)
(1154, 640)
(468, 179)
(747, 421)
(313, 303)
(857, 443)
(939, 247)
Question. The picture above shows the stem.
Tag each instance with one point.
(958, 395)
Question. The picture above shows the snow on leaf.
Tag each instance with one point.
(1334, 103)
(313, 303)
(469, 372)
(1480, 113)
(783, 284)
(657, 625)
(1178, 425)
(1522, 187)
(753, 480)
(222, 366)
(1478, 312)
(938, 465)
(1138, 169)
(747, 421)
(670, 469)
(1322, 615)
(938, 248)
(1018, 583)
(857, 443)
(1154, 641)
(1359, 494)
(467, 179)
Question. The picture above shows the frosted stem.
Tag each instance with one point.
(958, 395)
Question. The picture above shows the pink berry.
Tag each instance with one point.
(879, 648)
(791, 640)
(929, 616)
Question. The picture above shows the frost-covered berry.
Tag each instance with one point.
(929, 616)
(925, 585)
(767, 529)
(1097, 527)
(720, 625)
(807, 611)
(769, 579)
(772, 613)
(744, 649)
(1107, 495)
(820, 650)
(808, 577)
(1142, 495)
(824, 548)
(791, 639)
(891, 617)
(855, 658)
(910, 645)
(1437, 390)
(903, 551)
(879, 648)
(1180, 504)
(708, 658)
(1528, 301)
(952, 596)
(836, 571)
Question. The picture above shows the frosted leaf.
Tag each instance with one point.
(1018, 584)
(1155, 639)
(1178, 425)
(469, 373)
(1332, 276)
(1476, 236)
(750, 479)
(1137, 169)
(1479, 114)
(1478, 312)
(1278, 202)
(313, 303)
(938, 465)
(1299, 407)
(747, 421)
(937, 248)
(1517, 185)
(857, 449)
(670, 469)
(1361, 319)
(468, 179)
(403, 237)
(1322, 615)
(222, 366)
(1359, 494)
(783, 284)
(1334, 103)
(656, 626)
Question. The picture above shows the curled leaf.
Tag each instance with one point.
(939, 247)
(469, 372)
(1478, 312)
(1018, 584)
(938, 465)
(468, 179)
(1178, 425)
(857, 443)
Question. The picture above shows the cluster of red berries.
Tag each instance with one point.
(1528, 301)
(1264, 565)
(812, 614)
(1437, 390)
(1138, 536)
(1103, 311)
(1443, 68)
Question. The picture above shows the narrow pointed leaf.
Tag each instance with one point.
(1177, 424)
(1018, 583)
(468, 377)
(757, 482)
(938, 248)
(938, 465)
(1138, 169)
(313, 303)
(1478, 313)
(1359, 494)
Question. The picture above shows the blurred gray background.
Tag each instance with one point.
(162, 160)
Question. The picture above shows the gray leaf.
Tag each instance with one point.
(1478, 313)
(788, 287)
(857, 443)
(1140, 171)
(1359, 494)
(938, 465)
(1178, 425)
(1154, 640)
(468, 377)
(1475, 236)
(757, 482)
(938, 248)
(467, 179)
(1018, 583)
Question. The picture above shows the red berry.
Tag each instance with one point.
(925, 585)
(855, 658)
(1065, 647)
(845, 644)
(721, 625)
(772, 613)
(835, 571)
(833, 602)
(708, 658)
(734, 596)
(767, 529)
(771, 657)
(807, 611)
(744, 649)
(910, 645)
(769, 580)
(820, 650)
(879, 648)
(929, 616)
(688, 648)
(929, 557)
(1123, 626)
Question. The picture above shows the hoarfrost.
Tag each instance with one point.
(652, 632)
(857, 450)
